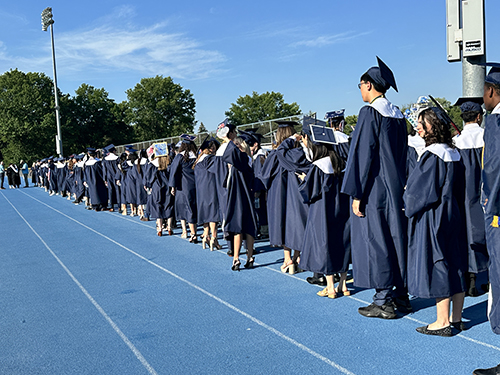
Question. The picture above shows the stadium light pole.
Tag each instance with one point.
(47, 22)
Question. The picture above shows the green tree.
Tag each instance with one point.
(202, 128)
(255, 107)
(160, 108)
(93, 120)
(350, 123)
(27, 116)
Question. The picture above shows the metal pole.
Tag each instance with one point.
(473, 75)
(59, 148)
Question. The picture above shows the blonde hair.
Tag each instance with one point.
(163, 162)
(244, 145)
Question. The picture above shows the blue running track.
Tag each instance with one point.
(84, 292)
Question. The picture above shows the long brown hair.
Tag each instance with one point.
(163, 162)
(283, 133)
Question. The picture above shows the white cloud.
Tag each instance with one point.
(326, 40)
(117, 45)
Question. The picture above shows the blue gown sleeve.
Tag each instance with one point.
(269, 170)
(425, 182)
(311, 189)
(292, 158)
(491, 165)
(363, 145)
(176, 172)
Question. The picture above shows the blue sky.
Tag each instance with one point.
(312, 52)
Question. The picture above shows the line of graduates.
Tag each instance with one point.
(405, 210)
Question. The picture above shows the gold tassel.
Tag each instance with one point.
(494, 223)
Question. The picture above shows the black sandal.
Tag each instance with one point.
(249, 263)
(236, 265)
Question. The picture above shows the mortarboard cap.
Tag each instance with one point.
(90, 149)
(441, 115)
(186, 138)
(383, 75)
(335, 114)
(130, 149)
(470, 104)
(493, 75)
(178, 144)
(285, 123)
(110, 148)
(322, 134)
(207, 142)
(224, 128)
(250, 136)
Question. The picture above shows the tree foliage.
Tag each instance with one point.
(92, 119)
(158, 108)
(202, 128)
(27, 119)
(255, 107)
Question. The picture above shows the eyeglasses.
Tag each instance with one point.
(361, 83)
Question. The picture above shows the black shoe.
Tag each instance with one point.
(443, 332)
(487, 371)
(374, 311)
(317, 280)
(403, 304)
(460, 326)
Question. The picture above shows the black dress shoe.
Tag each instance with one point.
(460, 326)
(374, 311)
(487, 371)
(317, 280)
(444, 332)
(403, 304)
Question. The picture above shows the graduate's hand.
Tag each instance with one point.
(172, 191)
(301, 176)
(355, 208)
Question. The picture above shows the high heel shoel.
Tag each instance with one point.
(249, 263)
(214, 244)
(288, 267)
(236, 265)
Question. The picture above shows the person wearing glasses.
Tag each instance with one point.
(374, 178)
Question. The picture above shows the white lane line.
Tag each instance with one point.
(207, 293)
(131, 346)
(275, 270)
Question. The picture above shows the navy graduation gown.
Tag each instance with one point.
(437, 251)
(274, 177)
(110, 169)
(326, 247)
(162, 202)
(258, 187)
(78, 178)
(62, 172)
(182, 179)
(207, 203)
(470, 145)
(220, 170)
(293, 160)
(93, 177)
(376, 174)
(141, 193)
(240, 214)
(342, 146)
(491, 192)
(128, 181)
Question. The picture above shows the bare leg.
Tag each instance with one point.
(342, 287)
(330, 284)
(192, 229)
(443, 314)
(250, 242)
(213, 229)
(237, 240)
(184, 230)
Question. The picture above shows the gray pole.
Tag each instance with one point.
(59, 148)
(473, 75)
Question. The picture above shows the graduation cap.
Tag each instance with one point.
(322, 134)
(178, 144)
(130, 149)
(335, 114)
(469, 104)
(382, 75)
(90, 149)
(206, 143)
(110, 148)
(250, 136)
(186, 138)
(224, 128)
(160, 149)
(285, 123)
(494, 73)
